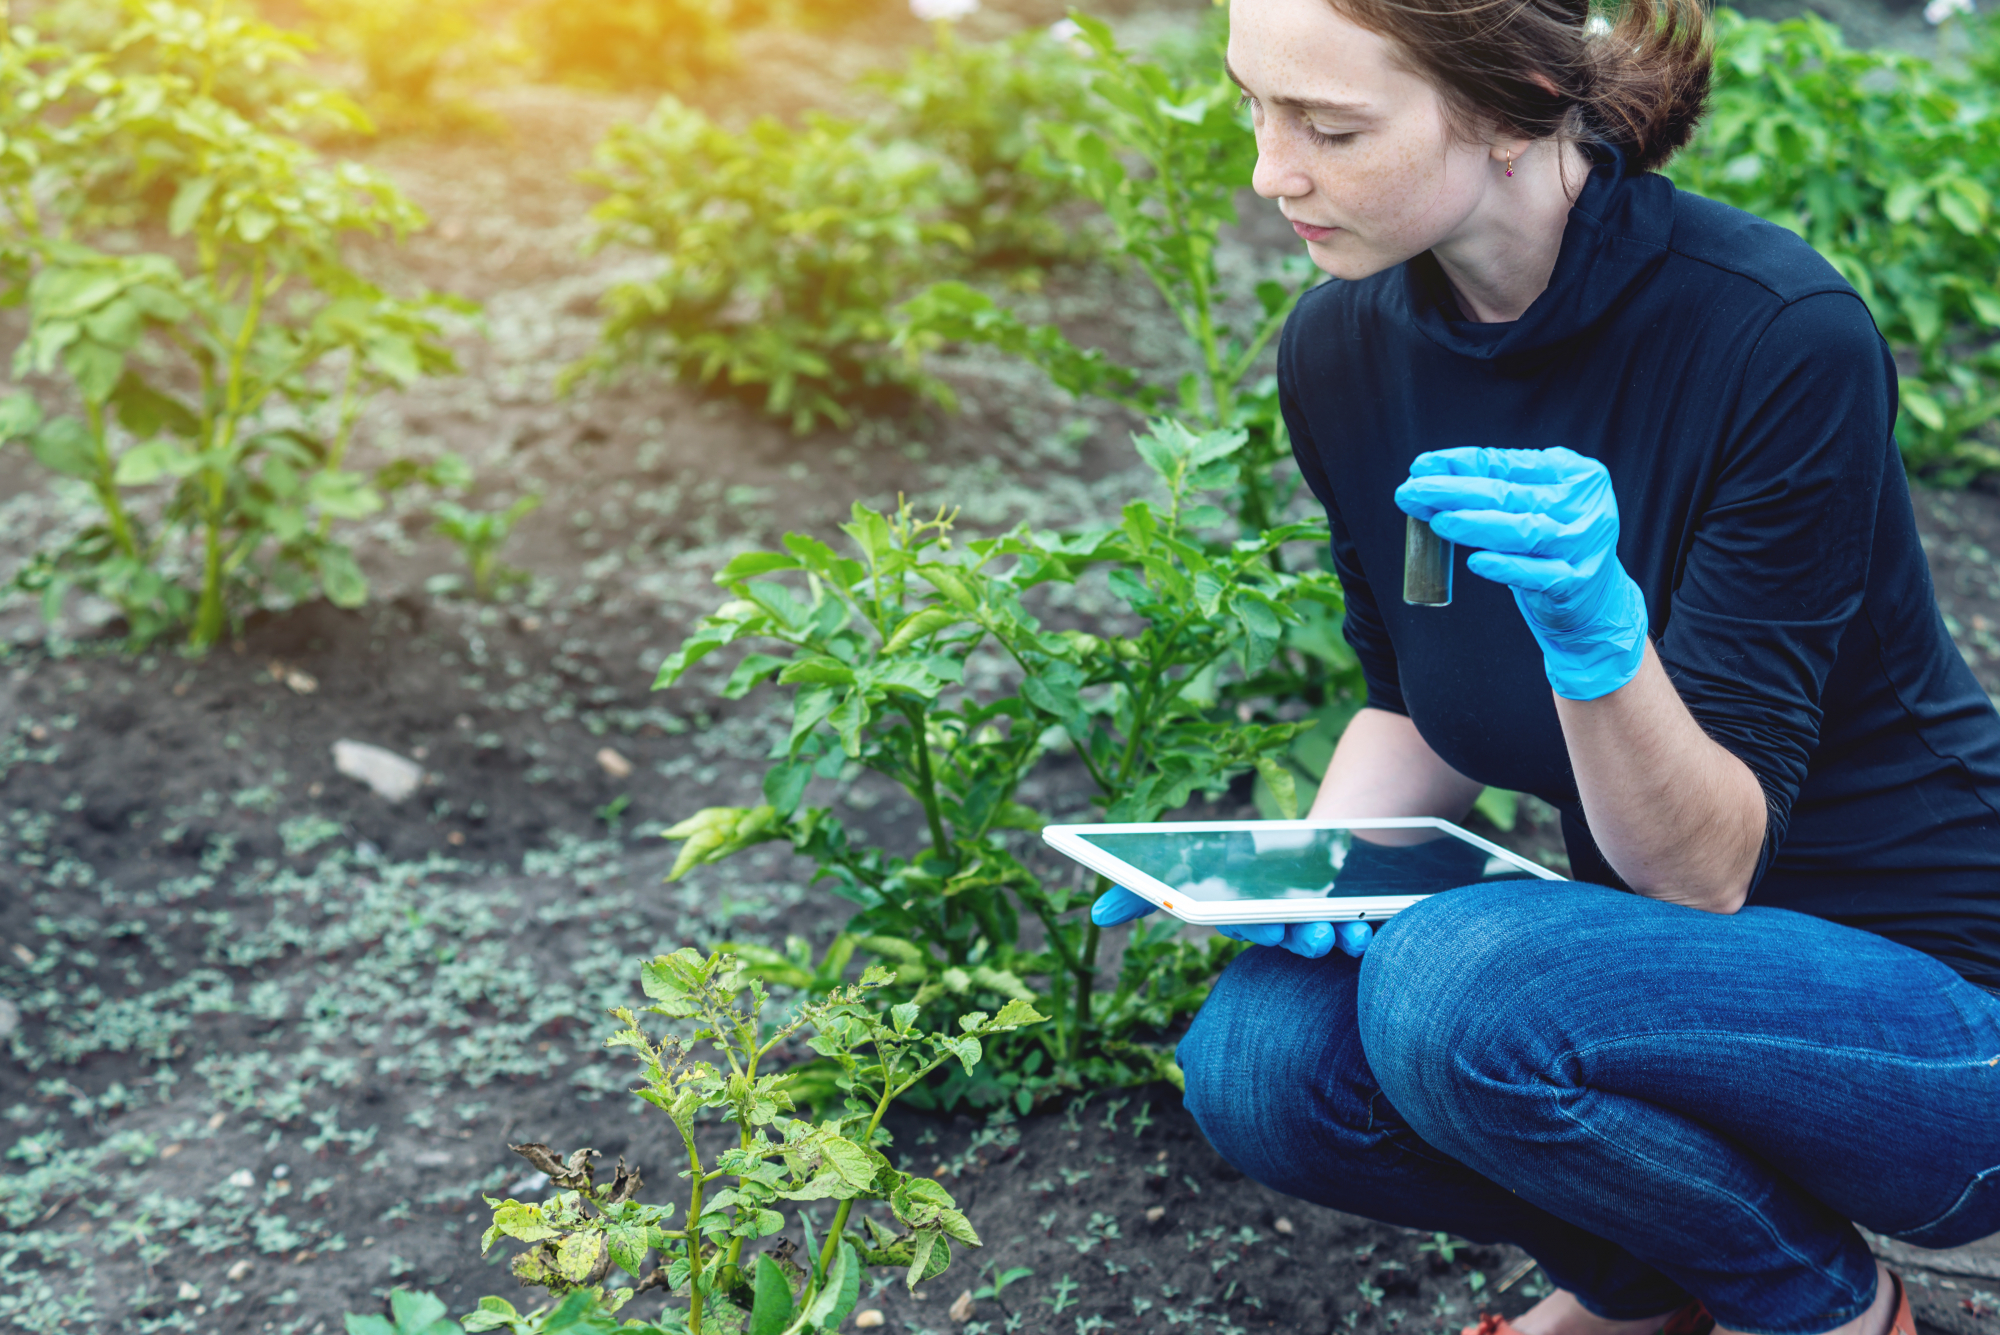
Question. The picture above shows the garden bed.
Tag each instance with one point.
(270, 1035)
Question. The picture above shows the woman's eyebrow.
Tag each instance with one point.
(1300, 103)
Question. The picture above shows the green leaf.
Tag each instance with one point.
(1499, 806)
(817, 671)
(145, 464)
(1985, 304)
(145, 411)
(629, 1244)
(854, 1164)
(1284, 787)
(19, 415)
(578, 1256)
(520, 1221)
(343, 495)
(785, 784)
(930, 1255)
(420, 1314)
(492, 1314)
(772, 1310)
(188, 203)
(64, 445)
(920, 624)
(96, 368)
(747, 565)
(749, 673)
(1014, 1015)
(843, 1288)
(340, 578)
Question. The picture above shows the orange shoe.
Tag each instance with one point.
(1692, 1319)
(1695, 1320)
(1902, 1323)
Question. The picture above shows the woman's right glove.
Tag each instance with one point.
(1546, 525)
(1310, 939)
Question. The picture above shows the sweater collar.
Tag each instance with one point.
(1616, 237)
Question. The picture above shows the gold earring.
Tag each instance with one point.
(1510, 165)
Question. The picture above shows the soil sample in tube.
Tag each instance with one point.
(1426, 566)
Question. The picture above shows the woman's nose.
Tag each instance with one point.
(1276, 175)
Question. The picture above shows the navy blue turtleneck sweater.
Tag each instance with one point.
(1739, 394)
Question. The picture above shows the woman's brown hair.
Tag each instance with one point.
(1543, 68)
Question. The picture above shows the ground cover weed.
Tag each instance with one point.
(578, 1235)
(219, 393)
(874, 652)
(781, 252)
(1885, 161)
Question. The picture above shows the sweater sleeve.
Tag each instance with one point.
(1779, 558)
(1362, 626)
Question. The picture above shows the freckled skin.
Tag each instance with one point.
(1393, 181)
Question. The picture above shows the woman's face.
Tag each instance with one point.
(1352, 145)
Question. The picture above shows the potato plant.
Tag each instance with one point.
(216, 385)
(781, 251)
(408, 52)
(1165, 165)
(873, 648)
(1886, 162)
(588, 1229)
(630, 43)
(982, 106)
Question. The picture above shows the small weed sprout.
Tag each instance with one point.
(997, 1285)
(480, 534)
(1442, 1245)
(1062, 1297)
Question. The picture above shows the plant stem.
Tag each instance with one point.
(928, 797)
(1086, 977)
(832, 1245)
(208, 620)
(694, 1238)
(107, 489)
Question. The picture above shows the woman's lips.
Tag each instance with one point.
(1311, 233)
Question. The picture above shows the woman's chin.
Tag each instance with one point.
(1339, 257)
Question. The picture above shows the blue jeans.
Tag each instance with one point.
(1654, 1102)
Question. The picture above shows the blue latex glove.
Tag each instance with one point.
(1546, 524)
(1310, 939)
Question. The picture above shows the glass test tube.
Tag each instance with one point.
(1427, 562)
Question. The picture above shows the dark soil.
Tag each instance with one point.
(269, 1036)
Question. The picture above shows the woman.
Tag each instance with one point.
(1694, 615)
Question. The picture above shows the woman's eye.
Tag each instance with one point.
(1327, 138)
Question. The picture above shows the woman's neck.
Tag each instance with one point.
(1501, 259)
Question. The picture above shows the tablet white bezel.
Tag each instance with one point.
(1073, 841)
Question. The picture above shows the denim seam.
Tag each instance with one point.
(1630, 1156)
(1794, 1045)
(1959, 1204)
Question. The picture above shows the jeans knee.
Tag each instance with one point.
(1265, 1053)
(1443, 1008)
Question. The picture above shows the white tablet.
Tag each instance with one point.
(1286, 870)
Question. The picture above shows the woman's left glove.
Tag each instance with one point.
(1310, 939)
(1546, 525)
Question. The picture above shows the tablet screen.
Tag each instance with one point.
(1218, 866)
